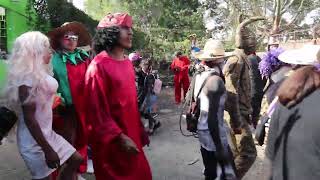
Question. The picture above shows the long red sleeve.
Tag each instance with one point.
(172, 66)
(103, 127)
(186, 64)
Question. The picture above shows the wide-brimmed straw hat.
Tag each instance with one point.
(213, 50)
(78, 28)
(307, 55)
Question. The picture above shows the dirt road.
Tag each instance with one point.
(169, 154)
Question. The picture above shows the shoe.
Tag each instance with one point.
(157, 126)
(80, 177)
(154, 115)
(90, 166)
(150, 132)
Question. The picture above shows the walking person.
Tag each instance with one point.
(69, 66)
(238, 103)
(135, 58)
(116, 132)
(210, 93)
(30, 92)
(257, 87)
(180, 67)
(146, 81)
(294, 139)
(274, 72)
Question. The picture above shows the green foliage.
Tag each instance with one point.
(61, 11)
(100, 8)
(37, 15)
(46, 14)
(140, 40)
(161, 27)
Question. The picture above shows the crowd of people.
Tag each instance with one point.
(278, 91)
(69, 102)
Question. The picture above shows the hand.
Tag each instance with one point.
(52, 159)
(185, 68)
(177, 69)
(128, 145)
(56, 102)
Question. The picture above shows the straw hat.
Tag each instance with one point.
(307, 55)
(76, 27)
(213, 50)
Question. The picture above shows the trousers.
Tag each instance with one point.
(216, 169)
(181, 83)
(243, 148)
(210, 163)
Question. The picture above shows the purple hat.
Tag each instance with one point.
(134, 56)
(270, 62)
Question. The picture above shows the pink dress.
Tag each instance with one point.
(29, 149)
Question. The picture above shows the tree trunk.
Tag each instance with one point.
(277, 18)
(276, 25)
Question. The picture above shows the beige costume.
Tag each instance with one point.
(238, 102)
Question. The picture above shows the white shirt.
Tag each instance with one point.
(205, 137)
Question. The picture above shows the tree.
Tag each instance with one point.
(97, 9)
(165, 24)
(61, 11)
(46, 14)
(282, 15)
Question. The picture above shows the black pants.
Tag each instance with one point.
(210, 163)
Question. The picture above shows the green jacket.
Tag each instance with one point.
(238, 86)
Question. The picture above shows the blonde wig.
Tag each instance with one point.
(27, 67)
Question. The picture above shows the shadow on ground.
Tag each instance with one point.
(169, 153)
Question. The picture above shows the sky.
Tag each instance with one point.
(210, 24)
(79, 4)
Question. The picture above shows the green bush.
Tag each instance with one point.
(61, 11)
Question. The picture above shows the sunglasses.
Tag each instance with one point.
(71, 37)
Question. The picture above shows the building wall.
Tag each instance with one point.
(16, 18)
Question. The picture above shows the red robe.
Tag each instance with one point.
(113, 109)
(181, 77)
(76, 77)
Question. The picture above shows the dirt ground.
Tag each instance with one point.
(169, 154)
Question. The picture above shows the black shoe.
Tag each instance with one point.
(157, 126)
(154, 115)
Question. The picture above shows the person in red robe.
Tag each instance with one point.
(116, 134)
(180, 67)
(70, 64)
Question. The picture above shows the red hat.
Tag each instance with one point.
(117, 19)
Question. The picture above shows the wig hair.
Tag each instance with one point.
(179, 53)
(27, 67)
(106, 39)
(270, 62)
